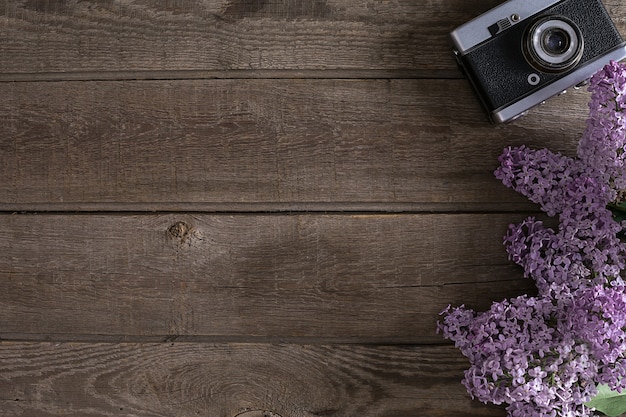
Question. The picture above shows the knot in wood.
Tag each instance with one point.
(179, 230)
(183, 233)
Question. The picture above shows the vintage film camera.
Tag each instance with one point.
(523, 52)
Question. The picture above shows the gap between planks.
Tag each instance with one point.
(151, 75)
(215, 339)
(270, 208)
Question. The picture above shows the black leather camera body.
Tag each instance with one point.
(523, 52)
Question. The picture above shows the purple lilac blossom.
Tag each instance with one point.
(545, 355)
(521, 354)
(597, 316)
(602, 144)
(583, 251)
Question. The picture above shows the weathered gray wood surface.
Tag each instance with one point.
(60, 36)
(248, 208)
(397, 142)
(173, 379)
(363, 278)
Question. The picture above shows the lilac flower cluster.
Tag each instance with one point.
(545, 355)
(520, 357)
(602, 145)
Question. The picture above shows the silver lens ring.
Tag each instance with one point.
(554, 44)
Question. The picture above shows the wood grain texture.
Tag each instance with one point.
(262, 141)
(66, 36)
(381, 278)
(226, 380)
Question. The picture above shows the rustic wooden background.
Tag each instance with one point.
(248, 207)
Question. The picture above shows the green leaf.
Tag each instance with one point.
(619, 215)
(621, 206)
(618, 210)
(611, 403)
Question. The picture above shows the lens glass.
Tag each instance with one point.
(555, 41)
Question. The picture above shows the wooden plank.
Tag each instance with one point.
(376, 278)
(229, 380)
(66, 36)
(223, 35)
(262, 141)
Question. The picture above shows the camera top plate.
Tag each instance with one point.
(476, 31)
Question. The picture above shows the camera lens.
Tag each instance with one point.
(553, 44)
